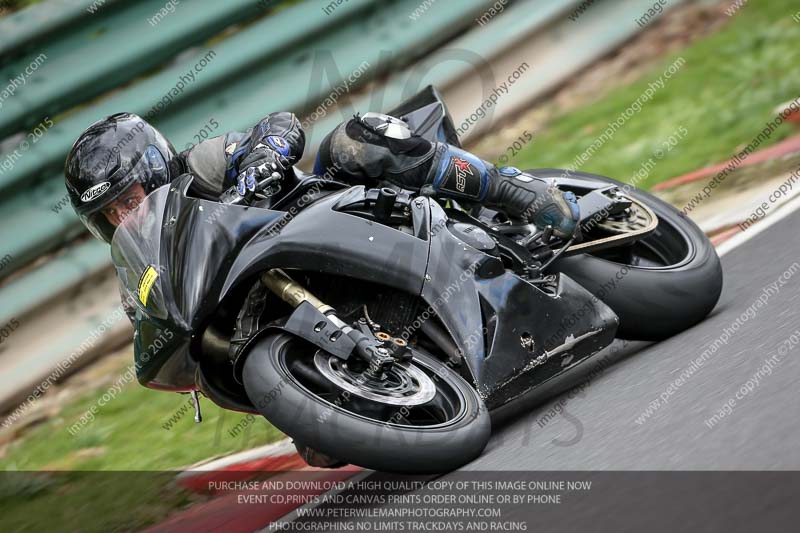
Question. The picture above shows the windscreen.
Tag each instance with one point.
(171, 251)
(136, 252)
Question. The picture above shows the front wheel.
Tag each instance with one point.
(660, 285)
(420, 418)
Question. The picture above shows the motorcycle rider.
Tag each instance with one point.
(119, 160)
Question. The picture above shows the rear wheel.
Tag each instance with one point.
(420, 418)
(660, 285)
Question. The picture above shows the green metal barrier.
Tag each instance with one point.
(22, 30)
(102, 51)
(230, 60)
(448, 64)
(236, 102)
(62, 272)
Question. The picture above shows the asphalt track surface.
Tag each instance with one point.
(762, 432)
(599, 430)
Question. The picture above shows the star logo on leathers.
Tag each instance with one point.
(463, 169)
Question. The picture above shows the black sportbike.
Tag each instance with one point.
(382, 328)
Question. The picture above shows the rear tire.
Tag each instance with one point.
(279, 395)
(652, 302)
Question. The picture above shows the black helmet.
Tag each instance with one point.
(110, 157)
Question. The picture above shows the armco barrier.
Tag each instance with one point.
(72, 266)
(24, 29)
(236, 94)
(222, 63)
(462, 58)
(104, 50)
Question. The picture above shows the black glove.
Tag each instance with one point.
(263, 167)
(276, 139)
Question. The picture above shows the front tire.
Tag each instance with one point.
(654, 298)
(355, 430)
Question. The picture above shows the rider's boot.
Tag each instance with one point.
(379, 148)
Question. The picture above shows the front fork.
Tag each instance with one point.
(380, 351)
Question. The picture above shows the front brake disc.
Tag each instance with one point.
(404, 383)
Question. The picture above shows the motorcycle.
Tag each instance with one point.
(386, 329)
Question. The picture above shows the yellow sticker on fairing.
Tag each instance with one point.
(146, 282)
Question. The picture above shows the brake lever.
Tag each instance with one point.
(232, 197)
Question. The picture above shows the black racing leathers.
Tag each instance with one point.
(358, 151)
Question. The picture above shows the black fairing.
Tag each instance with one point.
(203, 250)
(190, 242)
(489, 315)
(427, 116)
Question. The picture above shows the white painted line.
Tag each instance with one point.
(282, 447)
(742, 237)
(747, 204)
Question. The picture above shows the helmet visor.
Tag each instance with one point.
(123, 199)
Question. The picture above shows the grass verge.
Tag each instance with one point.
(138, 430)
(89, 501)
(723, 95)
(117, 472)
